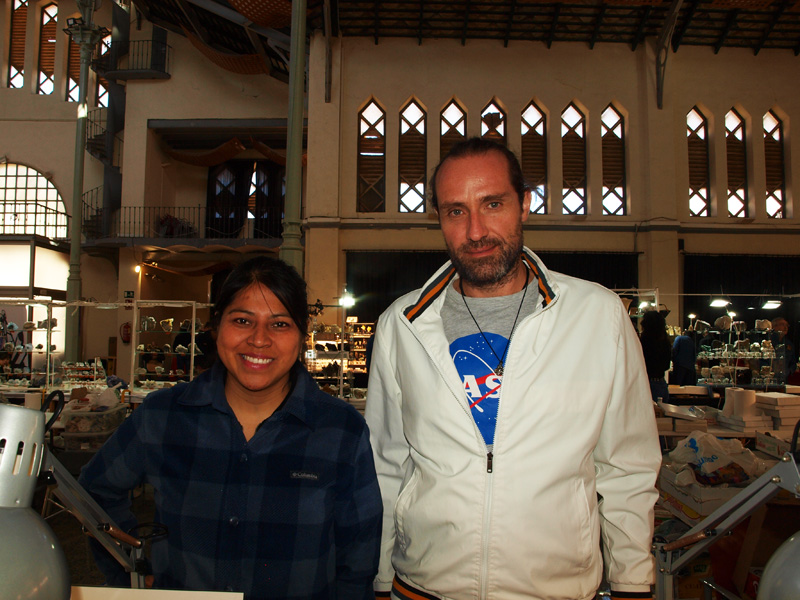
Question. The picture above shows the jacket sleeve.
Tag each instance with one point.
(627, 459)
(116, 469)
(358, 525)
(389, 446)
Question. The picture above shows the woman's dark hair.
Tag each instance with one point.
(479, 146)
(654, 325)
(280, 278)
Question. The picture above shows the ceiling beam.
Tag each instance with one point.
(281, 40)
(678, 37)
(466, 24)
(640, 29)
(597, 25)
(773, 21)
(553, 25)
(662, 48)
(730, 23)
(510, 22)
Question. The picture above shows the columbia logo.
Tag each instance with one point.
(304, 475)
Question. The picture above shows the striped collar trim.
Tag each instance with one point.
(430, 293)
(434, 289)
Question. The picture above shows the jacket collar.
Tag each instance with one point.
(437, 284)
(208, 389)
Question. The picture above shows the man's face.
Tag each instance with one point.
(481, 218)
(781, 326)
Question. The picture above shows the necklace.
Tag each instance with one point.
(501, 360)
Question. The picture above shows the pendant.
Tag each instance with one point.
(498, 370)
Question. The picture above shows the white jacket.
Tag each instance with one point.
(575, 420)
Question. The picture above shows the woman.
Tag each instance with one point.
(657, 353)
(266, 484)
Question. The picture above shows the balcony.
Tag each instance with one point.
(138, 59)
(184, 222)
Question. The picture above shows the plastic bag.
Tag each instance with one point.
(108, 397)
(709, 453)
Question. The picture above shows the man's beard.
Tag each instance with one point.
(489, 271)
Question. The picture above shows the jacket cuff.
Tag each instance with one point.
(642, 595)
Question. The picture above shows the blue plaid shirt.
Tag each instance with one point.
(295, 513)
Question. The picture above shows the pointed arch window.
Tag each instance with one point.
(412, 158)
(30, 204)
(775, 166)
(573, 144)
(736, 156)
(699, 184)
(47, 50)
(453, 127)
(371, 159)
(16, 51)
(534, 155)
(612, 126)
(102, 84)
(73, 70)
(493, 122)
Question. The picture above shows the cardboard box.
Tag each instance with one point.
(694, 502)
(771, 445)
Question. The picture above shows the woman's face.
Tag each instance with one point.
(258, 342)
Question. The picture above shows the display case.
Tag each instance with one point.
(164, 342)
(27, 330)
(359, 334)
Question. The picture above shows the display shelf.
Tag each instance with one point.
(28, 363)
(157, 360)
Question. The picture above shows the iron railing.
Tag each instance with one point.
(218, 222)
(96, 138)
(142, 56)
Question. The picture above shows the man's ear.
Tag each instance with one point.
(526, 205)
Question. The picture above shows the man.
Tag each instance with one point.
(510, 414)
(786, 363)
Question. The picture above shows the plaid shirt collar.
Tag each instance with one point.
(299, 404)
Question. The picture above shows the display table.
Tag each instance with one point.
(107, 593)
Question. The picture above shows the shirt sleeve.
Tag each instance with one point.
(116, 469)
(627, 459)
(391, 451)
(358, 525)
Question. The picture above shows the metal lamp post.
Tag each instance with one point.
(86, 34)
(346, 301)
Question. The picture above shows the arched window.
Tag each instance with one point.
(573, 152)
(30, 204)
(697, 136)
(412, 158)
(534, 155)
(47, 50)
(736, 151)
(16, 50)
(493, 122)
(453, 127)
(372, 159)
(774, 165)
(612, 125)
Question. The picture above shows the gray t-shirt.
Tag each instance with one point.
(476, 355)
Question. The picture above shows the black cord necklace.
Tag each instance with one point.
(501, 361)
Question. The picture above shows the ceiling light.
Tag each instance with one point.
(719, 302)
(643, 305)
(770, 304)
(691, 316)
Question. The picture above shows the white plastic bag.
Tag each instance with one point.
(708, 452)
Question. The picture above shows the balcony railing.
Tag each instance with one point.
(218, 222)
(137, 59)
